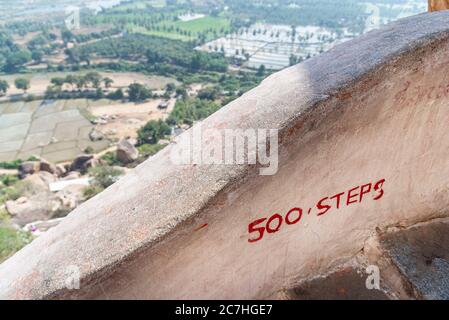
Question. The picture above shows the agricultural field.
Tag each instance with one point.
(274, 46)
(186, 30)
(56, 130)
(140, 5)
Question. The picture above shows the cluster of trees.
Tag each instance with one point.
(187, 111)
(153, 131)
(158, 53)
(22, 27)
(20, 83)
(90, 80)
(80, 38)
(91, 85)
(12, 57)
(41, 45)
(138, 92)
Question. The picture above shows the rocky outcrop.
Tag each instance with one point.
(126, 152)
(38, 203)
(41, 165)
(96, 135)
(28, 168)
(46, 166)
(38, 207)
(82, 163)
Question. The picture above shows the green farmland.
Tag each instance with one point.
(210, 27)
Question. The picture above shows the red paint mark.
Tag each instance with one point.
(325, 205)
(202, 227)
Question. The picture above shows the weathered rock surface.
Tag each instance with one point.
(38, 228)
(126, 152)
(345, 284)
(421, 254)
(28, 167)
(81, 163)
(40, 181)
(60, 170)
(37, 207)
(72, 175)
(46, 166)
(96, 135)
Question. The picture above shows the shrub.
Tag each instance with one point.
(153, 131)
(11, 164)
(148, 150)
(104, 176)
(12, 241)
(138, 92)
(91, 191)
(8, 179)
(111, 158)
(116, 95)
(89, 150)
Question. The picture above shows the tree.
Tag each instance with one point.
(80, 82)
(261, 70)
(52, 92)
(22, 84)
(153, 131)
(94, 78)
(210, 93)
(108, 82)
(67, 36)
(170, 87)
(16, 60)
(4, 86)
(85, 57)
(181, 92)
(71, 80)
(58, 81)
(37, 55)
(116, 95)
(293, 60)
(138, 92)
(99, 94)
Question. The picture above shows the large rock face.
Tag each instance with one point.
(362, 146)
